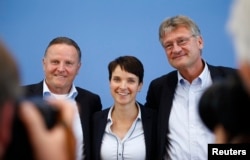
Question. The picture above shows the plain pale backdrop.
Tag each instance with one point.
(106, 29)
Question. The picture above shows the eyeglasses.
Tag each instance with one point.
(181, 42)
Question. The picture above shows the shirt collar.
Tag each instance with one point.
(47, 93)
(137, 118)
(202, 78)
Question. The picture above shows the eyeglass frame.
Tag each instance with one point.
(181, 42)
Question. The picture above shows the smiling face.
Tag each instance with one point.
(182, 48)
(124, 86)
(61, 65)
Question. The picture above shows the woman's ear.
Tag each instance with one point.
(140, 87)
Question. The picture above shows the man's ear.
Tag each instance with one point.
(6, 119)
(221, 135)
(244, 70)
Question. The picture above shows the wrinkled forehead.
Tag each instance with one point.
(173, 28)
(173, 33)
(62, 50)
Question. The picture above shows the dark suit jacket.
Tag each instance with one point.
(149, 126)
(88, 104)
(160, 97)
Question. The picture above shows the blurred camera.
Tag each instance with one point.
(20, 147)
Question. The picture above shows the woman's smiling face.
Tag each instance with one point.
(124, 86)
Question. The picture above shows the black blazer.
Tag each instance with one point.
(160, 97)
(149, 126)
(88, 104)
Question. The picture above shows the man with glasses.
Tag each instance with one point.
(181, 134)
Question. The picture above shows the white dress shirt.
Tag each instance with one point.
(77, 127)
(189, 137)
(131, 147)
